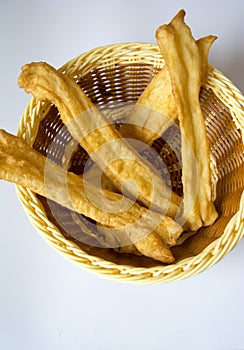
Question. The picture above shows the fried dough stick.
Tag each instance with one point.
(119, 161)
(114, 237)
(184, 65)
(21, 164)
(156, 109)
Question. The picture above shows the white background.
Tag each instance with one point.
(45, 301)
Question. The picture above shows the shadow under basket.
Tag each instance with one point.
(114, 77)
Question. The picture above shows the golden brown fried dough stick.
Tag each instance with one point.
(156, 109)
(90, 128)
(115, 237)
(204, 45)
(184, 65)
(114, 241)
(21, 164)
(99, 179)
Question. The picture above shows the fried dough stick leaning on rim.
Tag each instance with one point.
(21, 164)
(102, 142)
(183, 61)
(156, 109)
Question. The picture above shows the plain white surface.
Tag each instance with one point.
(45, 301)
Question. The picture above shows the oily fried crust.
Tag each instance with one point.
(20, 164)
(156, 109)
(103, 143)
(151, 243)
(183, 61)
(204, 45)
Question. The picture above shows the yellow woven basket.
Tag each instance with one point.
(115, 76)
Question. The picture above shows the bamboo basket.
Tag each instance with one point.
(114, 76)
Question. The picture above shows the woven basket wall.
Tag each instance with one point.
(114, 77)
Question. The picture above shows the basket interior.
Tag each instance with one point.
(112, 88)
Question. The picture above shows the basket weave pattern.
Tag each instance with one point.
(114, 77)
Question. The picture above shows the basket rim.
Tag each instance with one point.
(225, 90)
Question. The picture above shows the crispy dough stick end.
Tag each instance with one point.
(204, 44)
(29, 77)
(180, 16)
(153, 247)
(163, 30)
(26, 75)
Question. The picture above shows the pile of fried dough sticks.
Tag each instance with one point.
(150, 218)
